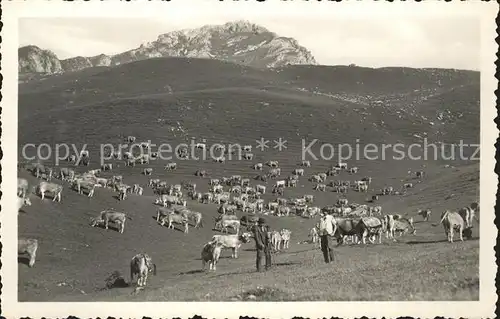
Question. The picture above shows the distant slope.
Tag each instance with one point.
(241, 42)
(336, 104)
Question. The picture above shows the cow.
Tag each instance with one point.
(260, 189)
(130, 139)
(107, 167)
(226, 209)
(22, 187)
(305, 164)
(452, 221)
(420, 174)
(210, 254)
(107, 216)
(285, 237)
(175, 218)
(275, 240)
(247, 148)
(141, 265)
(341, 165)
(369, 226)
(201, 173)
(170, 166)
(320, 187)
(403, 225)
(196, 217)
(248, 156)
(225, 224)
(66, 174)
(375, 198)
(147, 171)
(425, 213)
(272, 163)
(408, 185)
(313, 233)
(168, 200)
(298, 172)
(220, 159)
(54, 189)
(353, 170)
(468, 215)
(258, 166)
(342, 202)
(28, 246)
(22, 201)
(232, 241)
(162, 212)
(87, 185)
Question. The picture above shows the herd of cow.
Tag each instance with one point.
(355, 222)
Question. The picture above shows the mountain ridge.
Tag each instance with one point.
(239, 42)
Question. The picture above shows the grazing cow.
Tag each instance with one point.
(258, 166)
(175, 218)
(452, 221)
(22, 201)
(363, 188)
(247, 148)
(402, 226)
(210, 254)
(315, 179)
(87, 185)
(280, 183)
(341, 165)
(147, 171)
(285, 238)
(232, 241)
(201, 173)
(342, 202)
(425, 213)
(369, 226)
(162, 212)
(260, 189)
(170, 166)
(225, 224)
(408, 185)
(22, 187)
(169, 200)
(298, 172)
(66, 174)
(141, 265)
(107, 216)
(305, 164)
(28, 246)
(196, 217)
(107, 167)
(153, 182)
(54, 189)
(320, 187)
(272, 163)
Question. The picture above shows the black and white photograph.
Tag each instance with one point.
(247, 152)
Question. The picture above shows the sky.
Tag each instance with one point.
(441, 42)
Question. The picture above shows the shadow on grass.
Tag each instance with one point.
(415, 242)
(115, 280)
(192, 272)
(23, 260)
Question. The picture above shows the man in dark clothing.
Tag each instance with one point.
(262, 243)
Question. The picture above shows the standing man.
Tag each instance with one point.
(262, 243)
(327, 228)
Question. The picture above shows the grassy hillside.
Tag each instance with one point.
(173, 100)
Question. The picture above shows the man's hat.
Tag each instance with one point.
(261, 221)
